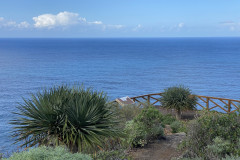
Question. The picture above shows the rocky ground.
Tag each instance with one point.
(162, 149)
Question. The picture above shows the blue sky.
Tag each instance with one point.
(119, 18)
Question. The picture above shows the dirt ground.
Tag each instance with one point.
(162, 149)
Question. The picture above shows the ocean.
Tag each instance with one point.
(118, 66)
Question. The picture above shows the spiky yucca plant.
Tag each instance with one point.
(178, 98)
(76, 117)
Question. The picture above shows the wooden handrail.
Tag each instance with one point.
(153, 94)
(224, 104)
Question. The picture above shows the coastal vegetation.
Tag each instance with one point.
(213, 135)
(76, 117)
(178, 98)
(49, 153)
(80, 123)
(144, 127)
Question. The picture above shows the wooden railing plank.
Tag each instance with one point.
(218, 105)
(143, 98)
(201, 105)
(207, 101)
(223, 102)
(234, 111)
(213, 107)
(155, 98)
(219, 98)
(155, 102)
(234, 105)
(202, 99)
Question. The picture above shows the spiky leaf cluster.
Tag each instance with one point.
(179, 98)
(76, 117)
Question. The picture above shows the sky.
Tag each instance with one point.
(119, 18)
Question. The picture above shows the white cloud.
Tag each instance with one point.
(64, 19)
(227, 23)
(117, 26)
(231, 25)
(180, 25)
(96, 22)
(23, 24)
(60, 19)
(12, 24)
(137, 27)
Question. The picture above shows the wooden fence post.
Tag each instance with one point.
(133, 99)
(229, 106)
(207, 103)
(148, 99)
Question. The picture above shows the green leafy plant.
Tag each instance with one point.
(214, 135)
(178, 126)
(76, 117)
(178, 98)
(48, 153)
(219, 146)
(144, 127)
(126, 113)
(167, 119)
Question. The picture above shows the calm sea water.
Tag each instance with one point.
(120, 67)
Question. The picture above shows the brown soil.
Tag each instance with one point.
(162, 149)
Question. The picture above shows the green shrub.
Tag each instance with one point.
(226, 158)
(144, 127)
(76, 117)
(167, 119)
(127, 112)
(231, 158)
(214, 135)
(149, 116)
(178, 98)
(178, 126)
(112, 155)
(48, 153)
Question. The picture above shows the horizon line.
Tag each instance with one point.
(116, 37)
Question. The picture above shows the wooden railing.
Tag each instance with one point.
(204, 102)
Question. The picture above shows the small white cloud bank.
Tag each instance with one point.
(12, 24)
(231, 25)
(66, 19)
(96, 22)
(181, 25)
(60, 19)
(23, 25)
(137, 28)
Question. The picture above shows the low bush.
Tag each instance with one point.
(127, 112)
(144, 127)
(167, 119)
(112, 155)
(48, 153)
(214, 136)
(178, 126)
(226, 158)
